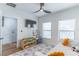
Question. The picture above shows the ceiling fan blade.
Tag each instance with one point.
(41, 6)
(47, 11)
(36, 11)
(11, 5)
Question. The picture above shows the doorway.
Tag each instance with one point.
(9, 34)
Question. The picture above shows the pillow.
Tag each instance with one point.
(56, 54)
(66, 42)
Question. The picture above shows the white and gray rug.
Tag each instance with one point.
(37, 50)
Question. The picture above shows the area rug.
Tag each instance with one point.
(37, 50)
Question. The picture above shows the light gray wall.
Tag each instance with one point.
(71, 13)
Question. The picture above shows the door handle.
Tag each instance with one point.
(13, 32)
(1, 38)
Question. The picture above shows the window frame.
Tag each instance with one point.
(66, 30)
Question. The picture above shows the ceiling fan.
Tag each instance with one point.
(42, 9)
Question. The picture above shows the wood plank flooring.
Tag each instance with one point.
(10, 49)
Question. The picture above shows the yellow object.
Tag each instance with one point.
(56, 54)
(27, 42)
(66, 42)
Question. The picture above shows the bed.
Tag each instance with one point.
(67, 50)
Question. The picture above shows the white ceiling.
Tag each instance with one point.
(53, 7)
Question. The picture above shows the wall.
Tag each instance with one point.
(20, 16)
(71, 13)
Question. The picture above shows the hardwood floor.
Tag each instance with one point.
(10, 49)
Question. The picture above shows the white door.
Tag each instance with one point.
(9, 30)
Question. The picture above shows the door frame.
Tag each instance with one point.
(16, 25)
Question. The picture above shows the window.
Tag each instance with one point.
(66, 29)
(47, 30)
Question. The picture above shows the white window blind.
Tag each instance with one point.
(67, 25)
(66, 29)
(47, 30)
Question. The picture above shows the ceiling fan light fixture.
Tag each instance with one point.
(41, 10)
